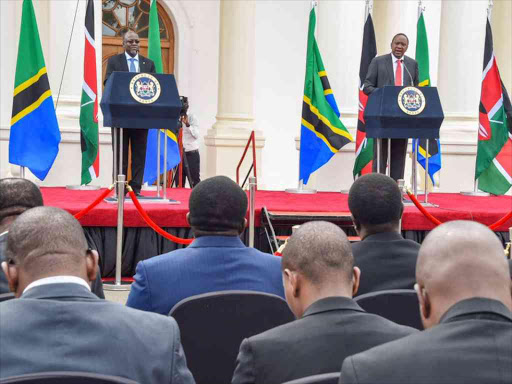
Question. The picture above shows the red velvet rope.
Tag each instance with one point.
(153, 225)
(422, 209)
(100, 198)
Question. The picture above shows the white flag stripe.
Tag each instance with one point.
(89, 38)
(496, 107)
(89, 91)
(502, 171)
(363, 144)
(84, 104)
(488, 67)
(92, 172)
(482, 131)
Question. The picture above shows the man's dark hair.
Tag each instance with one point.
(217, 204)
(400, 34)
(375, 199)
(319, 249)
(17, 195)
(46, 239)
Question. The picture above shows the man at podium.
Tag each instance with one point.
(131, 61)
(392, 69)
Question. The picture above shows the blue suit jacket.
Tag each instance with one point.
(209, 264)
(64, 327)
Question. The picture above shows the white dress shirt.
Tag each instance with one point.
(58, 280)
(395, 60)
(136, 62)
(191, 134)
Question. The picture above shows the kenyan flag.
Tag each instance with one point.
(364, 145)
(494, 155)
(89, 104)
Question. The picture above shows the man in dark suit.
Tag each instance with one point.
(386, 259)
(57, 324)
(131, 61)
(16, 196)
(216, 261)
(392, 69)
(464, 290)
(319, 280)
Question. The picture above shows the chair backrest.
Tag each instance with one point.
(398, 305)
(6, 296)
(66, 378)
(324, 378)
(213, 325)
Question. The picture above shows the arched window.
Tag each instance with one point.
(120, 15)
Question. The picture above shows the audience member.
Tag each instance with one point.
(386, 259)
(57, 324)
(217, 260)
(319, 279)
(464, 290)
(16, 196)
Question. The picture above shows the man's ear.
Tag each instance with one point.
(401, 210)
(11, 272)
(424, 303)
(187, 218)
(91, 264)
(356, 278)
(242, 227)
(294, 280)
(357, 225)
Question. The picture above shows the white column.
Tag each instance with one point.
(500, 22)
(235, 114)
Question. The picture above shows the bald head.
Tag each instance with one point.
(46, 241)
(320, 251)
(16, 196)
(459, 260)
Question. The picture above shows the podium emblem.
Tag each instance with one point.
(145, 88)
(411, 101)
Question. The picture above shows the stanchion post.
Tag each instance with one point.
(158, 165)
(252, 191)
(379, 147)
(165, 164)
(426, 171)
(120, 216)
(115, 132)
(388, 170)
(414, 161)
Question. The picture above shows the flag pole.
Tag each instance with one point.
(300, 188)
(475, 191)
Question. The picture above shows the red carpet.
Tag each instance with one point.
(485, 210)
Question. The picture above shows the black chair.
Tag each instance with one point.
(213, 325)
(66, 378)
(6, 296)
(398, 305)
(324, 378)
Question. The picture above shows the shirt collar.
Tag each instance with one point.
(57, 280)
(476, 305)
(395, 59)
(332, 303)
(128, 57)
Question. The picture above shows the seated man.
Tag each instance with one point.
(216, 261)
(16, 196)
(319, 279)
(464, 290)
(57, 324)
(386, 259)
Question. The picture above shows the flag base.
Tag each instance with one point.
(83, 187)
(112, 286)
(300, 191)
(144, 200)
(475, 193)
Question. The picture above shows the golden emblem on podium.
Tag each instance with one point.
(411, 101)
(145, 88)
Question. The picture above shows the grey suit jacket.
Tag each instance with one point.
(330, 330)
(64, 327)
(472, 344)
(387, 261)
(380, 73)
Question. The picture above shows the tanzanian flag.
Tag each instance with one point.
(322, 132)
(35, 136)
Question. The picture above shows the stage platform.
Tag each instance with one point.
(142, 242)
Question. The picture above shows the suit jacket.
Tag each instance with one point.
(380, 73)
(330, 330)
(209, 264)
(471, 344)
(387, 261)
(119, 63)
(64, 327)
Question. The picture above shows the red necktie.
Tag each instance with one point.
(398, 74)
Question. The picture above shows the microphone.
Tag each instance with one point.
(405, 66)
